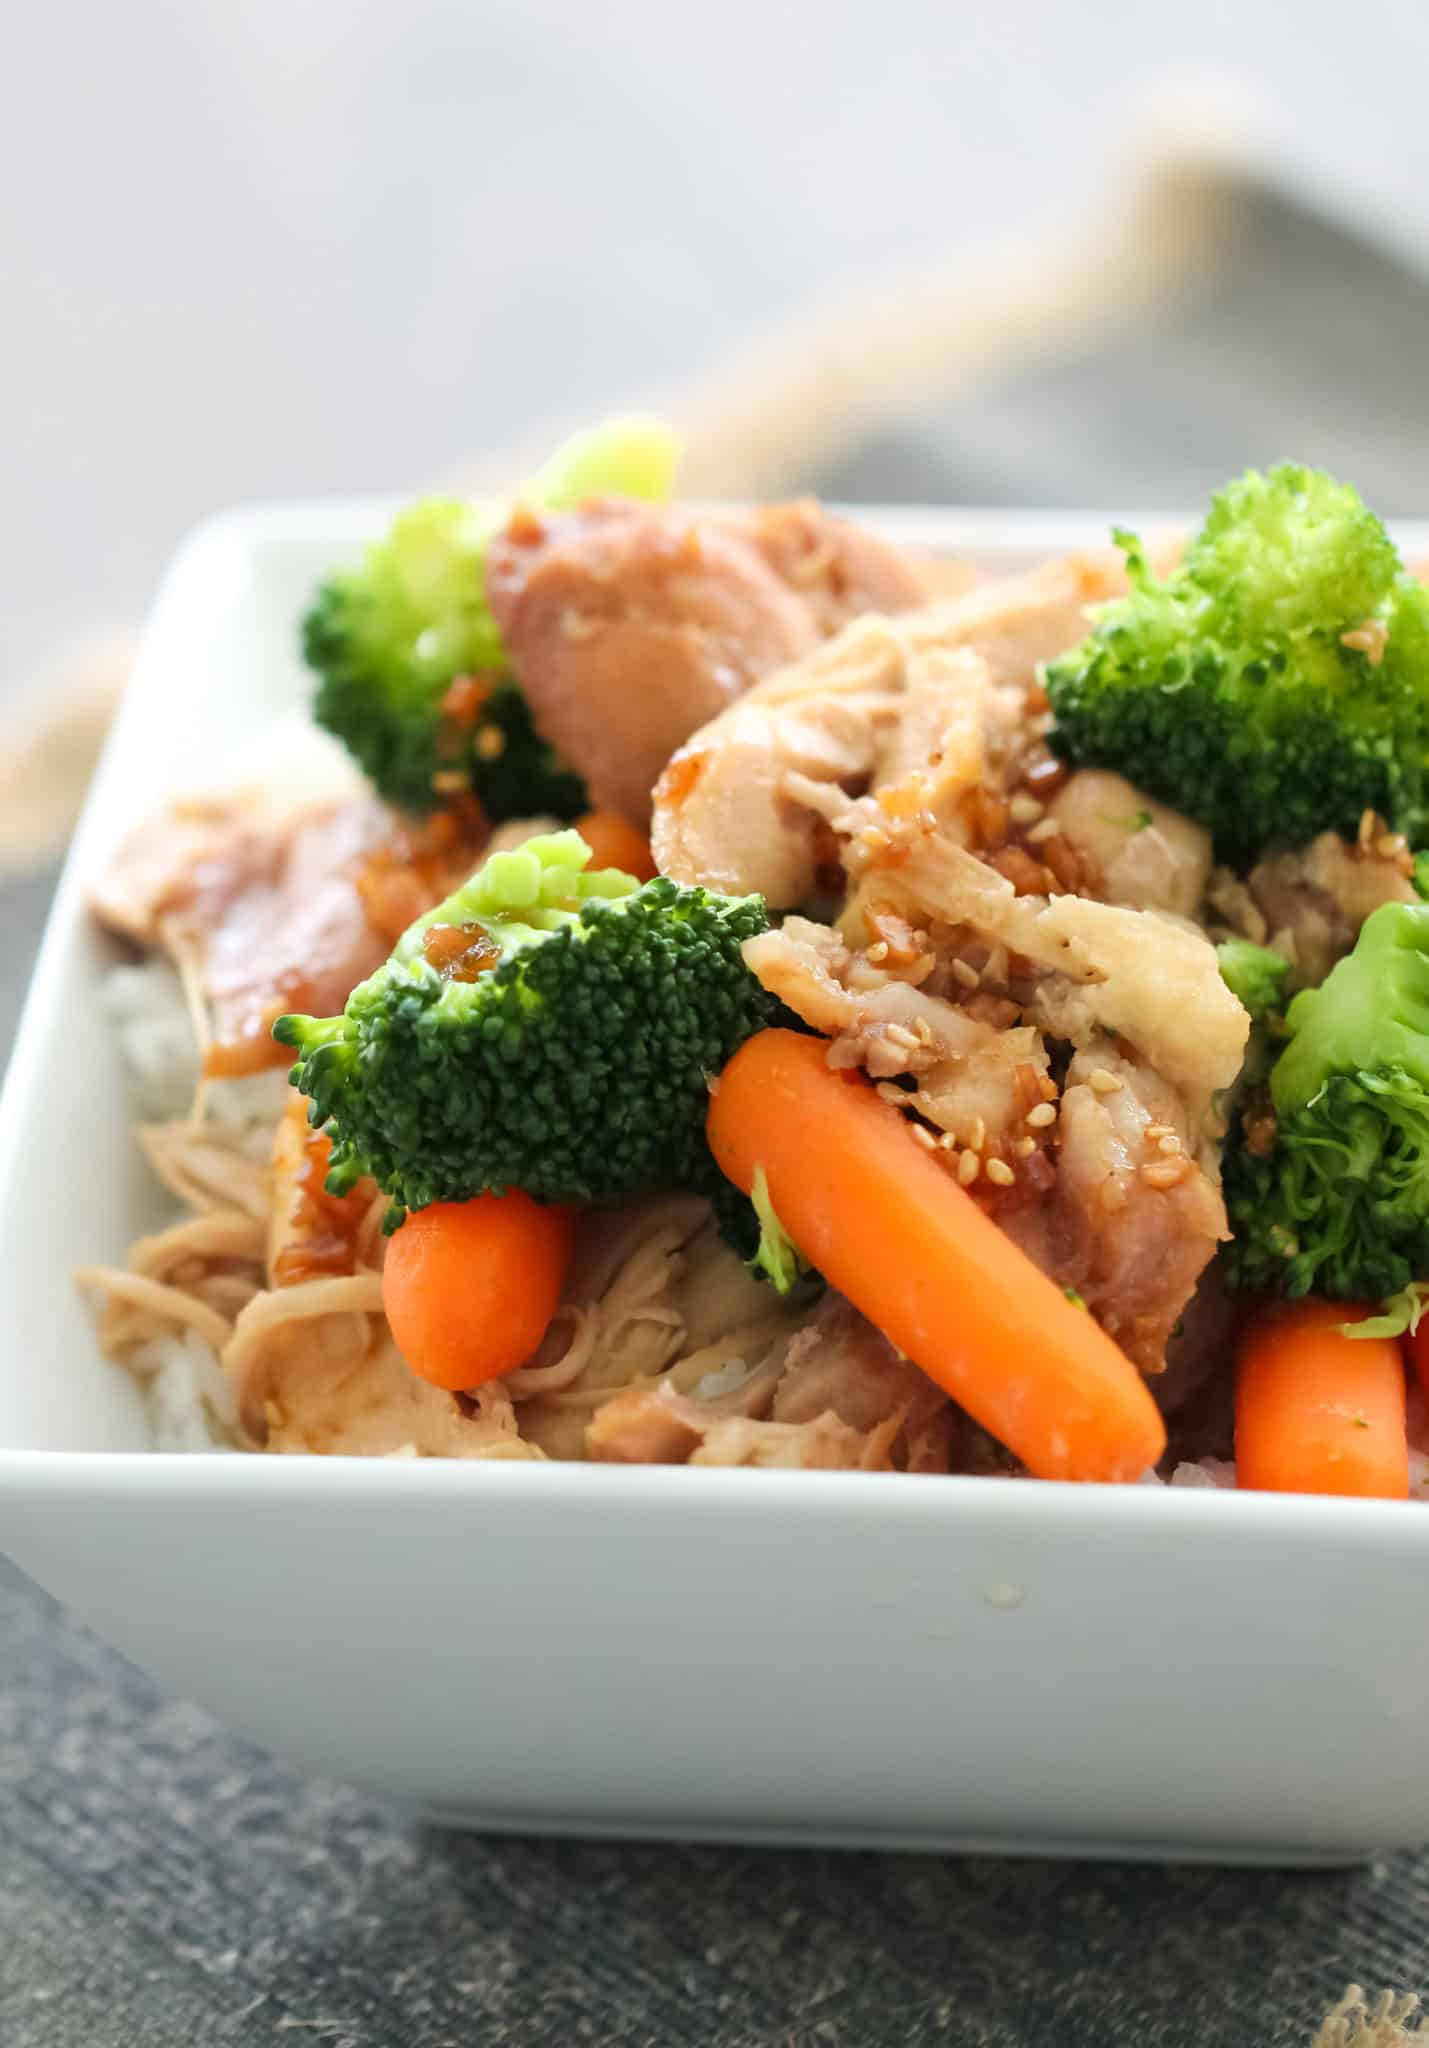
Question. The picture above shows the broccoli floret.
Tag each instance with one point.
(1341, 1204)
(1254, 975)
(545, 1028)
(777, 1256)
(1276, 684)
(389, 637)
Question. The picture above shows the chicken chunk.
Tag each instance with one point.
(271, 907)
(838, 569)
(1310, 905)
(1133, 1220)
(742, 804)
(839, 1364)
(630, 626)
(1087, 968)
(1141, 853)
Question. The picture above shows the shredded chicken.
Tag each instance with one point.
(656, 1426)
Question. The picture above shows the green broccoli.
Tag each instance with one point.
(389, 637)
(1276, 684)
(776, 1256)
(1340, 1204)
(545, 1028)
(1254, 975)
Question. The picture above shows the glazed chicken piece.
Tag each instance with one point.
(933, 704)
(271, 907)
(1087, 968)
(1310, 905)
(312, 1232)
(838, 569)
(1137, 852)
(1133, 1219)
(628, 626)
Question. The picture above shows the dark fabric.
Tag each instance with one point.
(1307, 346)
(165, 1886)
(162, 1885)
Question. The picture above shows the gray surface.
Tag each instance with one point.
(258, 249)
(164, 1885)
(1309, 348)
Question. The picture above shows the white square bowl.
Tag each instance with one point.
(759, 1656)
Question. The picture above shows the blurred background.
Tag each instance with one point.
(1031, 252)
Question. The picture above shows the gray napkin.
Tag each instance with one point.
(1307, 343)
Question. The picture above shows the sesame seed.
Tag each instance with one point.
(1103, 1083)
(447, 781)
(925, 1137)
(1170, 1144)
(1024, 809)
(879, 952)
(899, 1034)
(1040, 834)
(1164, 1173)
(1369, 825)
(968, 1169)
(968, 976)
(979, 1134)
(1041, 1115)
(948, 1143)
(1155, 1132)
(873, 838)
(490, 743)
(1000, 1173)
(922, 1031)
(1025, 1147)
(891, 1094)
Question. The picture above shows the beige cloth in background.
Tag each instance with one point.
(762, 427)
(1383, 2022)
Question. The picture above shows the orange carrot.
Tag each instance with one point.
(615, 843)
(1317, 1411)
(887, 1224)
(470, 1287)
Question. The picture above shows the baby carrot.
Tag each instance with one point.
(470, 1287)
(615, 843)
(888, 1226)
(1317, 1411)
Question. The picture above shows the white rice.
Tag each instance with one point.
(156, 1038)
(189, 1402)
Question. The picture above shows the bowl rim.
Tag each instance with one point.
(233, 537)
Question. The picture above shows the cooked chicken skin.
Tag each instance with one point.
(629, 626)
